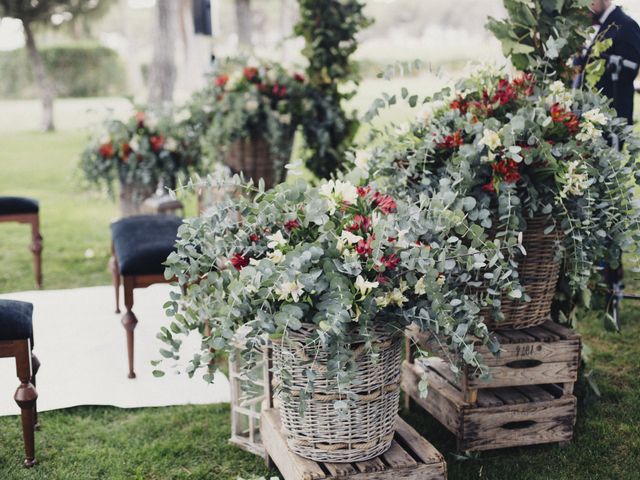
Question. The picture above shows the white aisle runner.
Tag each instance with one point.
(82, 347)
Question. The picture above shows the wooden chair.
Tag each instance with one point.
(16, 340)
(139, 245)
(25, 210)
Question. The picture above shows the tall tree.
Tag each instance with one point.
(244, 23)
(162, 76)
(35, 12)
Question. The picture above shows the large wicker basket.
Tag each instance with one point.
(320, 433)
(253, 157)
(539, 272)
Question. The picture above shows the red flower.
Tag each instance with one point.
(452, 141)
(381, 278)
(254, 238)
(298, 77)
(363, 247)
(363, 191)
(360, 222)
(125, 151)
(505, 93)
(140, 119)
(525, 82)
(390, 262)
(489, 187)
(560, 115)
(239, 261)
(292, 225)
(384, 202)
(106, 150)
(250, 73)
(508, 169)
(460, 104)
(156, 142)
(279, 90)
(262, 87)
(222, 80)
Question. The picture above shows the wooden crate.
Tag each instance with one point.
(500, 417)
(410, 457)
(540, 355)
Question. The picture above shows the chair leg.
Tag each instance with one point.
(129, 321)
(115, 277)
(35, 366)
(36, 249)
(26, 397)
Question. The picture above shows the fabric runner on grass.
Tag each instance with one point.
(82, 347)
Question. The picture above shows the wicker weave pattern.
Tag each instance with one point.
(321, 435)
(539, 272)
(253, 158)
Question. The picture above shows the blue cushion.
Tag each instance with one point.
(18, 205)
(143, 243)
(15, 320)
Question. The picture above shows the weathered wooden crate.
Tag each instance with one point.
(540, 355)
(500, 417)
(410, 457)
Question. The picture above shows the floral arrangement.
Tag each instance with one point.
(261, 101)
(341, 260)
(521, 148)
(141, 152)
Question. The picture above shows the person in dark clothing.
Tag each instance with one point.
(623, 58)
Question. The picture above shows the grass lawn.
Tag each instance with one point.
(189, 442)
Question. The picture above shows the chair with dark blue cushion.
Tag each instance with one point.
(25, 210)
(16, 340)
(140, 246)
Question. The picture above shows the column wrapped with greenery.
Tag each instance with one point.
(329, 28)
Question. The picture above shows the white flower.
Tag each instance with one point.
(440, 280)
(595, 116)
(285, 118)
(290, 289)
(588, 132)
(364, 287)
(401, 239)
(89, 253)
(276, 256)
(350, 256)
(346, 191)
(134, 144)
(171, 145)
(420, 288)
(253, 261)
(277, 240)
(403, 128)
(362, 159)
(252, 105)
(576, 180)
(491, 139)
(557, 87)
(427, 110)
(350, 238)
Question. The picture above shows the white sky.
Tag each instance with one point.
(11, 36)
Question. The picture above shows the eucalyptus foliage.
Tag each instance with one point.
(519, 148)
(330, 28)
(343, 261)
(541, 36)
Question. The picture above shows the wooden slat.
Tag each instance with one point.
(544, 335)
(510, 396)
(487, 399)
(535, 393)
(544, 373)
(443, 401)
(418, 445)
(518, 336)
(396, 457)
(443, 370)
(291, 466)
(373, 465)
(340, 469)
(563, 332)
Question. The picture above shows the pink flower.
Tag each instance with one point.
(384, 202)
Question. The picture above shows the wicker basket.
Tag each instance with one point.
(253, 157)
(321, 434)
(539, 272)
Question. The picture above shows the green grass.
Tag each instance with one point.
(190, 442)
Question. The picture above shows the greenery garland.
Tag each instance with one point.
(329, 28)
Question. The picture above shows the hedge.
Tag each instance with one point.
(84, 70)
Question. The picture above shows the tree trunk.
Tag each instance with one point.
(244, 22)
(46, 87)
(162, 76)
